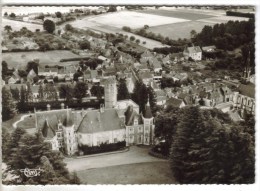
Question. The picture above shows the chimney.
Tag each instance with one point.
(62, 105)
(48, 107)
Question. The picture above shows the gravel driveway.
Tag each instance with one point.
(134, 155)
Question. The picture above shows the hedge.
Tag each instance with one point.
(240, 14)
(103, 147)
(57, 105)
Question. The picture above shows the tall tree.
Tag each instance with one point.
(32, 65)
(16, 94)
(29, 94)
(122, 90)
(41, 93)
(206, 150)
(8, 28)
(80, 91)
(8, 105)
(97, 91)
(152, 99)
(12, 143)
(32, 152)
(49, 26)
(140, 95)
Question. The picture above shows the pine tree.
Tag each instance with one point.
(32, 152)
(29, 94)
(41, 93)
(152, 99)
(16, 94)
(205, 150)
(122, 90)
(8, 105)
(5, 139)
(140, 95)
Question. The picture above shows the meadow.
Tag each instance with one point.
(19, 60)
(17, 25)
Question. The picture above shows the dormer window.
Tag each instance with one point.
(135, 121)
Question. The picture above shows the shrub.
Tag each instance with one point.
(132, 38)
(103, 147)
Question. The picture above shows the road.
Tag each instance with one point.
(134, 155)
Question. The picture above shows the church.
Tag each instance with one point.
(113, 122)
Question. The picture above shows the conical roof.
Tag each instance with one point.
(147, 111)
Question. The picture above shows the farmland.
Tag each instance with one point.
(20, 59)
(169, 22)
(197, 19)
(17, 25)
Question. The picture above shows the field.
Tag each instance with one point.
(140, 173)
(197, 20)
(17, 25)
(179, 30)
(20, 59)
(134, 19)
(168, 21)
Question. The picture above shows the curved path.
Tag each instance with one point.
(134, 155)
(22, 118)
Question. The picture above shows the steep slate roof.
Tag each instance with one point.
(96, 121)
(193, 49)
(147, 112)
(174, 102)
(47, 130)
(53, 117)
(145, 75)
(130, 115)
(109, 80)
(247, 90)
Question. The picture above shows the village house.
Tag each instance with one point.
(145, 77)
(209, 48)
(173, 102)
(193, 52)
(48, 72)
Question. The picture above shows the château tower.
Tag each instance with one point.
(148, 125)
(110, 92)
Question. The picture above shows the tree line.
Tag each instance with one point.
(21, 150)
(205, 146)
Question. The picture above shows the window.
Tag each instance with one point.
(140, 139)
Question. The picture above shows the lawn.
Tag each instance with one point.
(51, 58)
(8, 125)
(27, 123)
(139, 173)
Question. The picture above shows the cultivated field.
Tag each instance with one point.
(19, 60)
(17, 25)
(179, 30)
(141, 173)
(134, 19)
(176, 13)
(197, 19)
